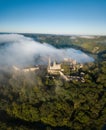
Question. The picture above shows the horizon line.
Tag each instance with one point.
(64, 34)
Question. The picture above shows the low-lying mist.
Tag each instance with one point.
(16, 49)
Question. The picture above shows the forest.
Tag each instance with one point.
(33, 101)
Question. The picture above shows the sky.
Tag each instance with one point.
(82, 17)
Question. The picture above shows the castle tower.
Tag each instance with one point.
(49, 63)
(54, 63)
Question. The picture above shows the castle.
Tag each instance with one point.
(30, 69)
(54, 68)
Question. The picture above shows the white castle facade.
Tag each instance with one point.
(53, 69)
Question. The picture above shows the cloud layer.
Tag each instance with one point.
(20, 50)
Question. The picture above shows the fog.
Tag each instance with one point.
(16, 49)
(88, 37)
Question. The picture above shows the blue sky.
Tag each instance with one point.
(53, 16)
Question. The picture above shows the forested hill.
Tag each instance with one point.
(38, 101)
(93, 45)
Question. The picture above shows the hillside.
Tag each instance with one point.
(95, 45)
(39, 100)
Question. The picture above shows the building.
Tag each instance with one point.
(70, 61)
(54, 68)
(29, 69)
